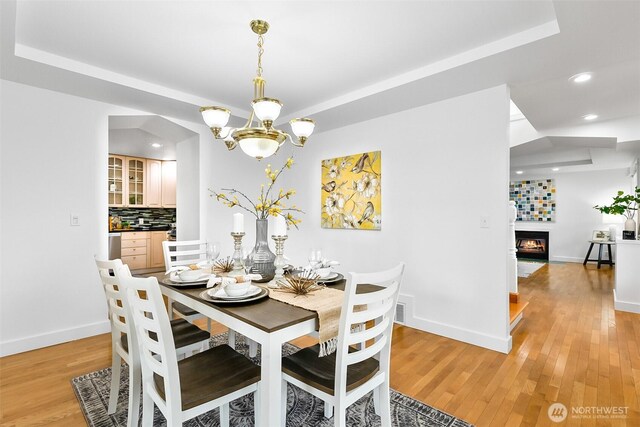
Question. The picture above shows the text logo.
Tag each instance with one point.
(557, 412)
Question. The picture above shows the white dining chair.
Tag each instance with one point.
(188, 338)
(187, 388)
(188, 252)
(340, 379)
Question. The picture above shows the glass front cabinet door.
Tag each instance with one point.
(136, 172)
(116, 185)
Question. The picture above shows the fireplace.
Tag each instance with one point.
(532, 244)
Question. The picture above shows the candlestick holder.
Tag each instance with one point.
(279, 262)
(238, 256)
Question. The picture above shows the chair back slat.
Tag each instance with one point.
(372, 297)
(183, 252)
(367, 352)
(357, 310)
(379, 309)
(367, 334)
(111, 272)
(157, 353)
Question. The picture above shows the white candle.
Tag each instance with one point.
(238, 223)
(280, 226)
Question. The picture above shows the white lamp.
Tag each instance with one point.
(302, 128)
(267, 110)
(259, 147)
(216, 118)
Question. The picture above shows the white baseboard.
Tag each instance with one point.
(566, 259)
(33, 342)
(502, 345)
(631, 307)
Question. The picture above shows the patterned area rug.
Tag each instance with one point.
(303, 409)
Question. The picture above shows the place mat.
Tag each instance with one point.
(327, 302)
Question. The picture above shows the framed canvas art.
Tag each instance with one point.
(351, 192)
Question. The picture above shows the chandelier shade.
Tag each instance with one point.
(216, 117)
(302, 127)
(262, 140)
(267, 108)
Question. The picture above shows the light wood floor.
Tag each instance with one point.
(571, 347)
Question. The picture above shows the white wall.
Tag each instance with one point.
(576, 194)
(54, 164)
(444, 165)
(188, 191)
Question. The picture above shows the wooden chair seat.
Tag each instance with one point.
(212, 374)
(184, 310)
(320, 372)
(184, 334)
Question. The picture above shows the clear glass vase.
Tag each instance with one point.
(261, 255)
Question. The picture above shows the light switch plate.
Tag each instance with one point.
(484, 222)
(74, 219)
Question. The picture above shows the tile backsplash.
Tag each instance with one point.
(153, 217)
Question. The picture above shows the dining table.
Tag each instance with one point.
(268, 322)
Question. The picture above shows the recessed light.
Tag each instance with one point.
(581, 78)
(519, 172)
(555, 169)
(590, 117)
(156, 145)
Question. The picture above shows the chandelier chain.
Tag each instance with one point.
(260, 52)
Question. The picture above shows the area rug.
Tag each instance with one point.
(303, 409)
(527, 268)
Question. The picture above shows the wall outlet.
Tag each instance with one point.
(484, 222)
(74, 219)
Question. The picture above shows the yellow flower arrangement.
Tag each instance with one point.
(266, 206)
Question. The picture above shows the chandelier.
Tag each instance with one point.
(262, 140)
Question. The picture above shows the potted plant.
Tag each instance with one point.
(625, 205)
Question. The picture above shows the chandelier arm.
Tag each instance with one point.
(249, 121)
(292, 141)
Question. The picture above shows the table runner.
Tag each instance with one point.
(327, 302)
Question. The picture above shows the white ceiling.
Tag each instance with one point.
(135, 135)
(340, 62)
(572, 154)
(314, 51)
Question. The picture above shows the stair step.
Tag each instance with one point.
(516, 309)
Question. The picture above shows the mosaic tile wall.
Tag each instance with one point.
(535, 200)
(154, 218)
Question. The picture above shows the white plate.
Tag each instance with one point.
(221, 294)
(176, 279)
(262, 294)
(331, 276)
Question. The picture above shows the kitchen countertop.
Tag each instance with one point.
(123, 230)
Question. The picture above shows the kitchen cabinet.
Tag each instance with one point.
(135, 248)
(169, 174)
(116, 189)
(153, 192)
(156, 255)
(138, 182)
(136, 172)
(143, 249)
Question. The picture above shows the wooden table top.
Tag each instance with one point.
(266, 314)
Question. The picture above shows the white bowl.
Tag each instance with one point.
(237, 289)
(188, 275)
